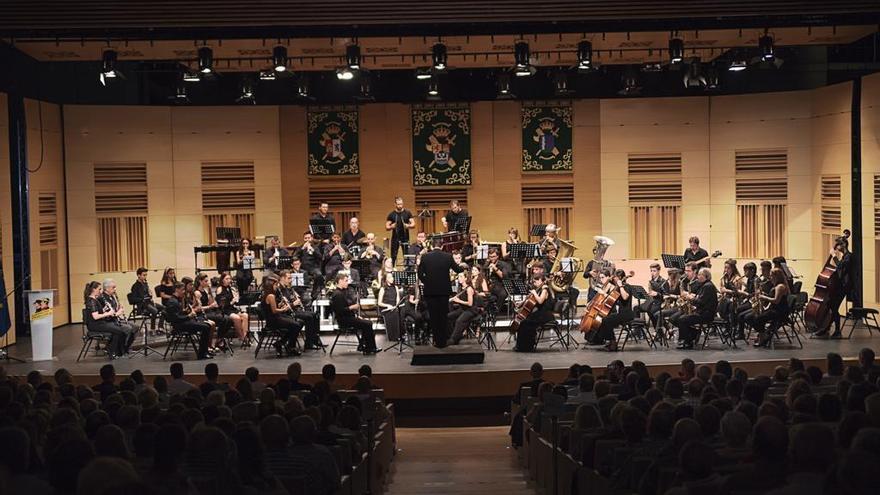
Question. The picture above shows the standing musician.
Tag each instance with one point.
(354, 234)
(463, 307)
(841, 259)
(272, 255)
(705, 301)
(469, 251)
(323, 214)
(344, 311)
(183, 319)
(207, 305)
(244, 277)
(697, 254)
(311, 257)
(278, 315)
(334, 251)
(104, 319)
(388, 301)
(227, 298)
(299, 311)
(498, 270)
(455, 213)
(656, 290)
(777, 311)
(398, 222)
(527, 333)
(731, 285)
(420, 247)
(111, 300)
(512, 238)
(143, 297)
(374, 254)
(621, 313)
(749, 287)
(433, 271)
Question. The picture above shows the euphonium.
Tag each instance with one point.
(561, 281)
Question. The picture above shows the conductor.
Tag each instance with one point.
(434, 273)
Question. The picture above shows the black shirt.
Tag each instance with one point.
(339, 304)
(659, 286)
(141, 291)
(348, 238)
(452, 218)
(310, 259)
(329, 216)
(692, 256)
(707, 300)
(174, 311)
(400, 219)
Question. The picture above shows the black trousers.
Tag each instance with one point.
(121, 335)
(527, 333)
(498, 294)
(148, 309)
(223, 322)
(395, 246)
(759, 322)
(651, 307)
(288, 327)
(201, 329)
(364, 329)
(460, 319)
(438, 313)
(310, 320)
(686, 330)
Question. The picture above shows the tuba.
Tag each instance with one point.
(561, 281)
(599, 261)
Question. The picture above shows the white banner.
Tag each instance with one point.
(41, 304)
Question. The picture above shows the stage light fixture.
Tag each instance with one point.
(585, 55)
(353, 57)
(108, 67)
(738, 65)
(438, 57)
(521, 55)
(766, 48)
(191, 76)
(206, 60)
(713, 79)
(247, 91)
(630, 83)
(502, 82)
(267, 75)
(434, 89)
(676, 50)
(302, 86)
(279, 58)
(423, 73)
(693, 76)
(560, 84)
(344, 74)
(180, 95)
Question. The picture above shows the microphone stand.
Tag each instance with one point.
(4, 352)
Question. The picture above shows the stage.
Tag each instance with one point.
(496, 376)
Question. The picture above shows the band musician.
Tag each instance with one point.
(324, 214)
(273, 253)
(398, 222)
(694, 253)
(656, 290)
(705, 301)
(621, 313)
(354, 234)
(433, 271)
(498, 270)
(142, 296)
(299, 311)
(455, 214)
(345, 313)
(334, 251)
(841, 259)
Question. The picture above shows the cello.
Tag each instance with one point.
(599, 307)
(818, 314)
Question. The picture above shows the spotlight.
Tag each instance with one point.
(279, 58)
(737, 65)
(585, 55)
(366, 88)
(302, 86)
(423, 73)
(190, 76)
(108, 67)
(353, 57)
(630, 83)
(434, 89)
(247, 92)
(521, 54)
(676, 50)
(267, 75)
(713, 79)
(438, 57)
(560, 84)
(765, 47)
(206, 60)
(180, 95)
(693, 76)
(344, 74)
(503, 84)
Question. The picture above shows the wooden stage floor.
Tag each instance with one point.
(497, 376)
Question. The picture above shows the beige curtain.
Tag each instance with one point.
(654, 230)
(122, 243)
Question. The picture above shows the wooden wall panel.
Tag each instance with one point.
(6, 211)
(294, 151)
(587, 176)
(870, 133)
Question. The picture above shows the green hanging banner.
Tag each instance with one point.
(546, 138)
(333, 143)
(441, 146)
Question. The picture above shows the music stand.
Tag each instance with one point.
(321, 228)
(285, 262)
(409, 263)
(524, 250)
(248, 263)
(462, 224)
(673, 261)
(482, 252)
(297, 279)
(638, 292)
(405, 280)
(567, 265)
(538, 230)
(365, 274)
(515, 287)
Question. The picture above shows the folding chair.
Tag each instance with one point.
(89, 338)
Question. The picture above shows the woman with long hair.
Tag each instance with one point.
(277, 312)
(226, 301)
(244, 277)
(388, 301)
(101, 318)
(208, 305)
(731, 283)
(527, 333)
(464, 307)
(165, 289)
(777, 311)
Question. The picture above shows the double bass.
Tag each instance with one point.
(818, 313)
(598, 309)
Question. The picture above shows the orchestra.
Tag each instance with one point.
(684, 302)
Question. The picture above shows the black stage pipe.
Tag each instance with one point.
(21, 240)
(856, 204)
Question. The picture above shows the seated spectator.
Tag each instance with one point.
(811, 452)
(574, 372)
(866, 360)
(107, 387)
(253, 376)
(328, 376)
(696, 472)
(584, 391)
(849, 426)
(769, 448)
(179, 385)
(15, 458)
(724, 368)
(735, 431)
(537, 377)
(687, 370)
(314, 462)
(294, 373)
(212, 380)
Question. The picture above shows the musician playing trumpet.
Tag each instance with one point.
(374, 253)
(621, 313)
(526, 334)
(497, 271)
(334, 252)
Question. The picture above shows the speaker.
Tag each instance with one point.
(454, 354)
